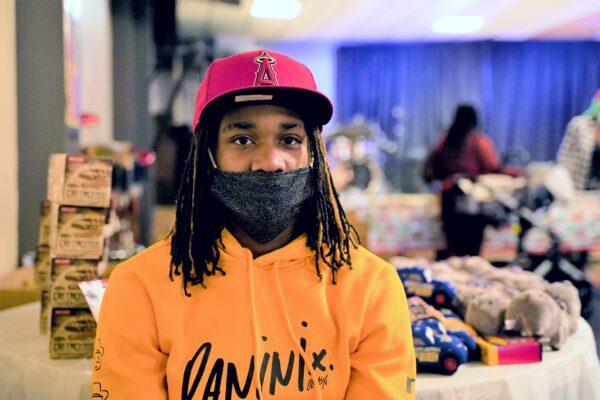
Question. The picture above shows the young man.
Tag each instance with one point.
(261, 291)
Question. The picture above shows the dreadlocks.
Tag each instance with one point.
(196, 235)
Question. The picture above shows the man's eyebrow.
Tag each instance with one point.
(239, 125)
(288, 125)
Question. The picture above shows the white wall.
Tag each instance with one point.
(8, 139)
(93, 30)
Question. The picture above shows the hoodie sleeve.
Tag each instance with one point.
(127, 363)
(383, 366)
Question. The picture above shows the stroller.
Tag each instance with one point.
(528, 202)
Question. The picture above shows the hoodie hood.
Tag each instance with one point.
(292, 254)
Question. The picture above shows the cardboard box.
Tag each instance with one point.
(43, 258)
(77, 232)
(497, 350)
(72, 332)
(45, 223)
(44, 310)
(65, 275)
(79, 180)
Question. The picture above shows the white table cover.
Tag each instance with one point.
(573, 373)
(26, 370)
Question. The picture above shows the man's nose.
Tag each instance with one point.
(269, 159)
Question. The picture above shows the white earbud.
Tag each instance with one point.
(212, 159)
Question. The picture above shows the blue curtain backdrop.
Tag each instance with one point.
(526, 92)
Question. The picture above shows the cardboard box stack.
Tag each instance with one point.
(71, 244)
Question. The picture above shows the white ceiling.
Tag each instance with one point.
(395, 20)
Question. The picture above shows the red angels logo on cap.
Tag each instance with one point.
(265, 75)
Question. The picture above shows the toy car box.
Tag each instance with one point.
(79, 180)
(497, 350)
(72, 332)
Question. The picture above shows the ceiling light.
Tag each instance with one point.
(72, 8)
(457, 24)
(275, 9)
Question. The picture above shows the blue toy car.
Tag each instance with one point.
(417, 281)
(463, 336)
(439, 353)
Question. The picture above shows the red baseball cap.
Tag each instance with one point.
(260, 76)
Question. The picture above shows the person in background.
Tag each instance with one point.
(579, 151)
(461, 151)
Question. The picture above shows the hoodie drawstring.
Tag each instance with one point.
(253, 321)
(293, 335)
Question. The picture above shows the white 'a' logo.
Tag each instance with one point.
(265, 74)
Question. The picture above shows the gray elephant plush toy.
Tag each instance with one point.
(485, 311)
(567, 297)
(534, 313)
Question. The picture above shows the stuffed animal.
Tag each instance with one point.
(485, 311)
(447, 273)
(485, 293)
(455, 262)
(567, 297)
(534, 313)
(478, 266)
(466, 293)
(517, 278)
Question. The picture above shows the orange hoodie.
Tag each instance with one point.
(269, 323)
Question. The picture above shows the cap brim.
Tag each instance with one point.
(311, 105)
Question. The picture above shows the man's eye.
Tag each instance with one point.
(290, 140)
(241, 140)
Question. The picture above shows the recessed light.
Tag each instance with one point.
(275, 9)
(457, 24)
(72, 8)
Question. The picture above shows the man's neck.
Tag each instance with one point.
(257, 248)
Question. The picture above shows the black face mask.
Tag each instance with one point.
(262, 203)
